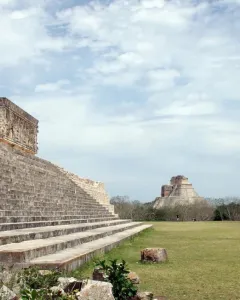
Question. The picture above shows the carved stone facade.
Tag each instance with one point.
(17, 127)
(178, 192)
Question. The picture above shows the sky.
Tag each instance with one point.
(129, 93)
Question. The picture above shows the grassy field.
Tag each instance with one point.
(204, 260)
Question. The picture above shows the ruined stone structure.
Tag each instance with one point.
(178, 192)
(49, 217)
(17, 127)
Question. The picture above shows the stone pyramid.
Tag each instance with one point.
(48, 216)
(178, 192)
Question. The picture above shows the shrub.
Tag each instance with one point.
(36, 285)
(116, 274)
(31, 278)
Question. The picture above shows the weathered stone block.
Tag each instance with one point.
(95, 290)
(157, 255)
(7, 294)
(145, 296)
(17, 127)
(134, 277)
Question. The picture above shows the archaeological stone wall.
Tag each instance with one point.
(17, 127)
(32, 184)
(18, 132)
(95, 189)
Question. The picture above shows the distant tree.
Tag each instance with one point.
(220, 209)
(227, 208)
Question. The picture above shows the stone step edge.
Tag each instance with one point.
(76, 261)
(64, 217)
(33, 224)
(28, 250)
(20, 235)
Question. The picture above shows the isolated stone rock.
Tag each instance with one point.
(145, 296)
(98, 274)
(7, 294)
(134, 277)
(157, 255)
(96, 290)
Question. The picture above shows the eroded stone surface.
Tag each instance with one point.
(7, 294)
(95, 290)
(134, 277)
(17, 127)
(157, 255)
(145, 296)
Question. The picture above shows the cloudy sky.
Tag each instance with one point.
(129, 92)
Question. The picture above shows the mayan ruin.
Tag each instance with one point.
(49, 217)
(178, 192)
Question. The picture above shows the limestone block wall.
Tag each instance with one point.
(95, 189)
(30, 184)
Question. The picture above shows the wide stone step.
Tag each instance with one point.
(22, 225)
(28, 250)
(17, 219)
(20, 235)
(21, 204)
(47, 212)
(73, 258)
(43, 205)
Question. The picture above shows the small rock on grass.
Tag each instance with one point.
(144, 296)
(156, 255)
(133, 277)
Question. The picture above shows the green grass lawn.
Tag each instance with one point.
(204, 260)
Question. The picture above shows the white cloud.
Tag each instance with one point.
(148, 85)
(52, 87)
(162, 79)
(24, 35)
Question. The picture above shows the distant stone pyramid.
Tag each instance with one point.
(178, 192)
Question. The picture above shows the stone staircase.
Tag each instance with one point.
(48, 219)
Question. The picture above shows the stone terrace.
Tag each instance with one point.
(52, 218)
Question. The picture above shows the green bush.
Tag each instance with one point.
(31, 278)
(116, 274)
(37, 286)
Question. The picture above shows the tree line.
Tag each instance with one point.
(220, 209)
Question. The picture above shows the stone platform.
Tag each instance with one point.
(52, 218)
